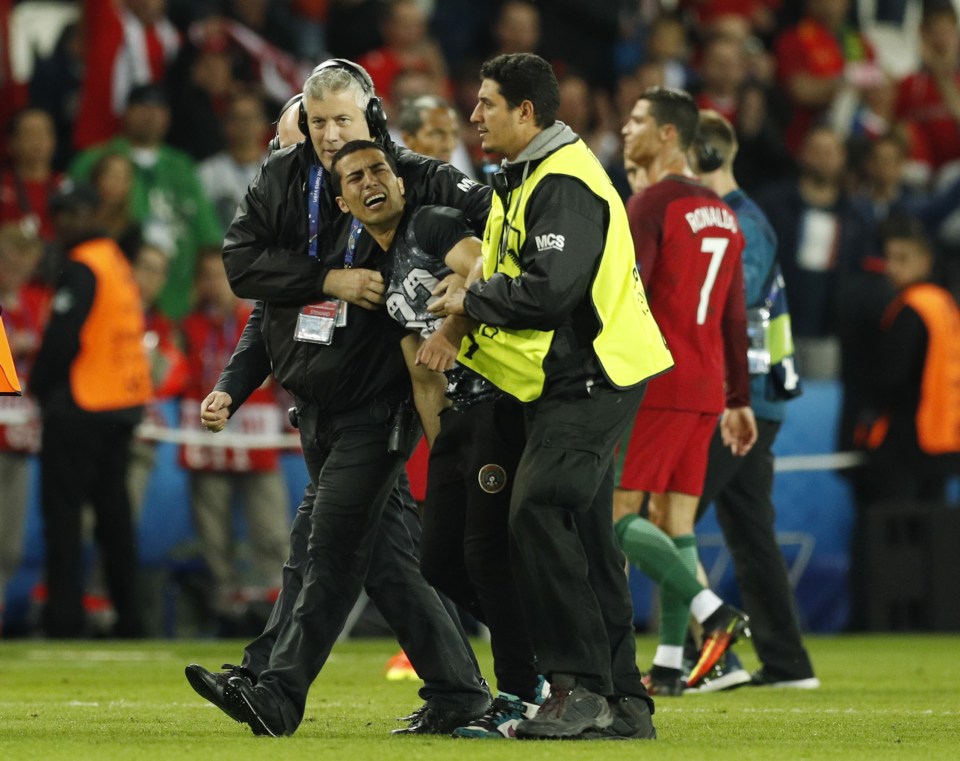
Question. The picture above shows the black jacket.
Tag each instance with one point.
(266, 258)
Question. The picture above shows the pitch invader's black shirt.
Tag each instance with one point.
(265, 255)
(416, 263)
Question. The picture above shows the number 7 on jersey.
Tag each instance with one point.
(716, 247)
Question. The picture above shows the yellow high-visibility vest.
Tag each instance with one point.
(629, 345)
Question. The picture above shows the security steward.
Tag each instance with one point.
(92, 379)
(563, 326)
(332, 346)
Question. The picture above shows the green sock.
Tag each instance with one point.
(675, 606)
(652, 551)
(667, 562)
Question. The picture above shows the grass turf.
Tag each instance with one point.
(889, 697)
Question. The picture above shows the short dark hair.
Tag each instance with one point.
(902, 227)
(669, 105)
(526, 76)
(352, 147)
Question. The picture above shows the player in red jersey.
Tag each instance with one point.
(688, 245)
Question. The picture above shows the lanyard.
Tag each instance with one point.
(355, 227)
(313, 207)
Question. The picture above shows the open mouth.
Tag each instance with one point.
(375, 200)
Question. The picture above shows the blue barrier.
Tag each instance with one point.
(814, 513)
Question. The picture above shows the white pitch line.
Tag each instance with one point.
(79, 656)
(726, 709)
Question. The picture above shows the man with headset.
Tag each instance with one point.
(320, 283)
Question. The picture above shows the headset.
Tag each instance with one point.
(274, 144)
(709, 157)
(376, 118)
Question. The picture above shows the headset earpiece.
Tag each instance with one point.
(376, 119)
(302, 122)
(709, 157)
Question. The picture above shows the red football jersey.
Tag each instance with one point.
(689, 245)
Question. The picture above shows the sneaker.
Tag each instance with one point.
(727, 674)
(543, 690)
(720, 631)
(415, 714)
(501, 720)
(762, 679)
(211, 685)
(566, 713)
(664, 682)
(433, 720)
(400, 668)
(631, 721)
(255, 708)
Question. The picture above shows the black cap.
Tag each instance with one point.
(72, 196)
(149, 94)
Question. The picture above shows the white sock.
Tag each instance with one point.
(704, 605)
(669, 656)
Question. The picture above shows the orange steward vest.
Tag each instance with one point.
(938, 414)
(9, 383)
(111, 371)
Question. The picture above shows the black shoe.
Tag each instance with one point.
(254, 707)
(664, 682)
(415, 714)
(631, 721)
(720, 631)
(211, 685)
(567, 712)
(432, 720)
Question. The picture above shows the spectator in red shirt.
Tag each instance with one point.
(929, 100)
(818, 60)
(723, 72)
(131, 42)
(406, 45)
(29, 180)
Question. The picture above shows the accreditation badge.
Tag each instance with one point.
(316, 322)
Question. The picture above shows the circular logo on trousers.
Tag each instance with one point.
(492, 478)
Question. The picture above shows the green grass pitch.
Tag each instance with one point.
(883, 697)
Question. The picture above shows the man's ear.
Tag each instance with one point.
(400, 183)
(343, 205)
(527, 111)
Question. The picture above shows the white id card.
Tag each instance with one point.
(316, 322)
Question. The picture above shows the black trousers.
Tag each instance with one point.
(390, 550)
(335, 544)
(742, 490)
(84, 460)
(568, 566)
(465, 550)
(895, 473)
